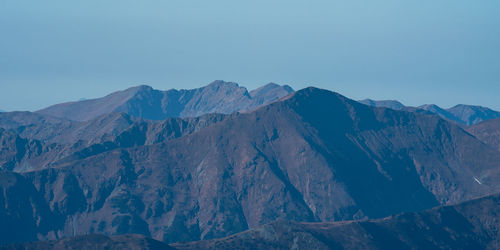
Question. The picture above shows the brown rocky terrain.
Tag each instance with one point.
(314, 156)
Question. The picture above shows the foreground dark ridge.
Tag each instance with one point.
(146, 102)
(471, 225)
(314, 156)
(93, 242)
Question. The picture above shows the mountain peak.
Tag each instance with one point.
(139, 88)
(315, 91)
(470, 114)
(469, 107)
(272, 84)
(270, 92)
(430, 106)
(317, 97)
(392, 104)
(220, 84)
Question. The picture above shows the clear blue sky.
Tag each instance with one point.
(425, 51)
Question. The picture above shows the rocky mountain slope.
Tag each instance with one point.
(313, 156)
(471, 225)
(35, 141)
(488, 132)
(148, 103)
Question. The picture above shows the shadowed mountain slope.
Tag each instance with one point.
(470, 225)
(24, 212)
(95, 241)
(146, 102)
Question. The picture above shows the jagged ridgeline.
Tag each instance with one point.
(148, 103)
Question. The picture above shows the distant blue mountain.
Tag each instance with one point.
(443, 113)
(461, 114)
(470, 115)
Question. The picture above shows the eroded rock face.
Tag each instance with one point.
(314, 156)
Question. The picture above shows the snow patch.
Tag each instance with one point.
(477, 181)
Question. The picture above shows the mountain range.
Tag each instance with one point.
(148, 103)
(118, 165)
(461, 114)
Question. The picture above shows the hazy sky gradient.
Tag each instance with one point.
(427, 51)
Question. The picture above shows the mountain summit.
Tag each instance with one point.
(392, 104)
(146, 102)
